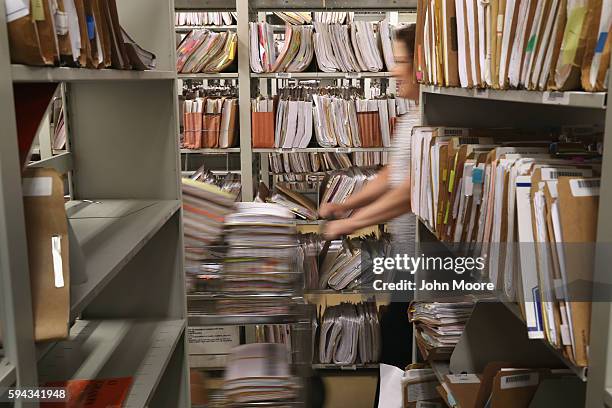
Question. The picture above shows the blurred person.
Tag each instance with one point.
(387, 198)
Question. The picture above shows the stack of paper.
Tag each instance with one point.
(349, 333)
(511, 201)
(347, 48)
(205, 207)
(210, 122)
(259, 372)
(439, 326)
(206, 51)
(294, 53)
(532, 44)
(261, 259)
(75, 33)
(200, 18)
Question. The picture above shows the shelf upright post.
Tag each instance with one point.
(244, 99)
(599, 382)
(16, 322)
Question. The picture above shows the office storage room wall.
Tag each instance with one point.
(165, 167)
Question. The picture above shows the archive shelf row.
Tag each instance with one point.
(127, 313)
(253, 161)
(498, 320)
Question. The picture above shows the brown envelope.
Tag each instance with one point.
(46, 221)
(210, 130)
(231, 130)
(263, 129)
(592, 29)
(514, 389)
(197, 120)
(578, 215)
(85, 59)
(119, 55)
(451, 47)
(33, 42)
(103, 30)
(93, 45)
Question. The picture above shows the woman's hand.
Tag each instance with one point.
(332, 210)
(335, 229)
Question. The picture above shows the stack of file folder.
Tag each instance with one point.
(333, 17)
(293, 126)
(354, 122)
(342, 118)
(202, 18)
(527, 204)
(294, 53)
(203, 50)
(349, 334)
(340, 185)
(344, 264)
(229, 182)
(294, 17)
(258, 373)
(347, 48)
(531, 44)
(74, 33)
(295, 202)
(305, 171)
(210, 122)
(438, 326)
(274, 333)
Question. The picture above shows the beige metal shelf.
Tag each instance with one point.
(23, 73)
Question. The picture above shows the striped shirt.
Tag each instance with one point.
(403, 228)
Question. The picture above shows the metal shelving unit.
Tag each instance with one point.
(519, 108)
(128, 307)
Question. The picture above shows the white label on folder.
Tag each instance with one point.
(16, 9)
(553, 174)
(426, 404)
(585, 188)
(37, 186)
(283, 75)
(58, 269)
(463, 378)
(500, 23)
(556, 98)
(519, 381)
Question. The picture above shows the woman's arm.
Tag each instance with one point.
(370, 193)
(392, 204)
